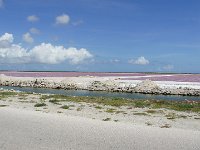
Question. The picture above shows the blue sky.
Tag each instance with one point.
(106, 35)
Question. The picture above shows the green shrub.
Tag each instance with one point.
(65, 107)
(40, 105)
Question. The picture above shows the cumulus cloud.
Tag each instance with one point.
(33, 18)
(47, 53)
(62, 19)
(1, 3)
(28, 38)
(6, 39)
(76, 56)
(44, 53)
(139, 61)
(9, 52)
(34, 31)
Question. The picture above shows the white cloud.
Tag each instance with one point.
(28, 38)
(76, 56)
(1, 3)
(6, 39)
(47, 53)
(33, 18)
(139, 61)
(168, 67)
(34, 31)
(62, 19)
(114, 60)
(9, 52)
(43, 53)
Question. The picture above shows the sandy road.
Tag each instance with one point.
(22, 130)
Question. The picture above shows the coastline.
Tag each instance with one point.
(109, 83)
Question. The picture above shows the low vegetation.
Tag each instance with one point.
(7, 94)
(98, 107)
(140, 114)
(107, 119)
(54, 101)
(173, 116)
(193, 106)
(65, 107)
(79, 109)
(190, 106)
(111, 110)
(151, 111)
(40, 105)
(3, 105)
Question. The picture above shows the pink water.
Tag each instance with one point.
(129, 76)
(177, 78)
(66, 74)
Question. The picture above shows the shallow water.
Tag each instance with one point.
(103, 93)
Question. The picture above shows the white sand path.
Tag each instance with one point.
(22, 130)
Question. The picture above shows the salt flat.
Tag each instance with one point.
(24, 129)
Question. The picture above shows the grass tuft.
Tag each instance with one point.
(78, 109)
(40, 105)
(3, 105)
(140, 114)
(151, 111)
(98, 107)
(54, 101)
(111, 110)
(65, 107)
(107, 119)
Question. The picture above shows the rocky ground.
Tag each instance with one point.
(114, 84)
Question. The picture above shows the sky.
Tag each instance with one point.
(100, 35)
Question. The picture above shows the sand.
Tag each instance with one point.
(24, 129)
(84, 126)
(126, 114)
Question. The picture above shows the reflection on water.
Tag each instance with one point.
(102, 93)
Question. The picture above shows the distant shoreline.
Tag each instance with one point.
(96, 71)
(106, 83)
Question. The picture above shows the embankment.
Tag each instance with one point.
(111, 84)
